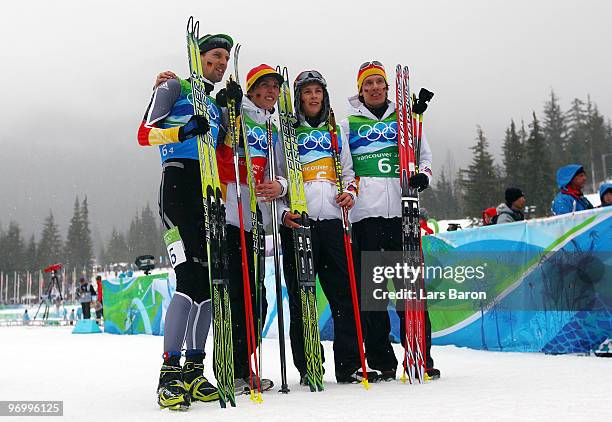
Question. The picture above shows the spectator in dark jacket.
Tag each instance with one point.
(511, 210)
(570, 180)
(85, 293)
(605, 194)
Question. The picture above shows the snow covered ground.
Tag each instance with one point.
(105, 377)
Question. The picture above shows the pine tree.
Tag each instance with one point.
(30, 257)
(577, 134)
(135, 237)
(117, 250)
(102, 257)
(12, 249)
(446, 200)
(2, 257)
(428, 199)
(440, 199)
(73, 239)
(480, 182)
(607, 157)
(150, 232)
(50, 246)
(540, 188)
(460, 192)
(597, 140)
(514, 157)
(555, 132)
(85, 256)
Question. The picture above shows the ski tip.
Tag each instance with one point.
(366, 384)
(404, 378)
(252, 398)
(259, 398)
(196, 30)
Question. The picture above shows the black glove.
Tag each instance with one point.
(197, 125)
(419, 181)
(420, 105)
(232, 91)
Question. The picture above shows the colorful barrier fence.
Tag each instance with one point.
(549, 280)
(533, 269)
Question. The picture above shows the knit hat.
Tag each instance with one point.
(512, 194)
(491, 212)
(211, 41)
(487, 216)
(368, 69)
(259, 72)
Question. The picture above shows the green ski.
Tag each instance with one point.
(214, 220)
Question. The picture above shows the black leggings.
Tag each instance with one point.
(331, 267)
(86, 306)
(377, 234)
(180, 205)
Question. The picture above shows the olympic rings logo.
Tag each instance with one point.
(313, 139)
(380, 129)
(256, 136)
(213, 112)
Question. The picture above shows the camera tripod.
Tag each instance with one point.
(48, 296)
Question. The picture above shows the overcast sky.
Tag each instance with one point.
(78, 77)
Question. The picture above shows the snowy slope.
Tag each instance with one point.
(104, 377)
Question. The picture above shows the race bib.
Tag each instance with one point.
(175, 246)
(373, 146)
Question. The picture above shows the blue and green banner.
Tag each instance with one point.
(137, 305)
(548, 284)
(538, 285)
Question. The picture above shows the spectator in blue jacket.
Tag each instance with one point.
(605, 194)
(570, 180)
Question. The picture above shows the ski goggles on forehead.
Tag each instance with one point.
(310, 76)
(373, 62)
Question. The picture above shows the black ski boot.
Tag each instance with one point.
(171, 391)
(388, 375)
(432, 374)
(357, 377)
(195, 382)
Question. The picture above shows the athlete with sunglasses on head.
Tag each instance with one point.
(263, 88)
(312, 108)
(371, 128)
